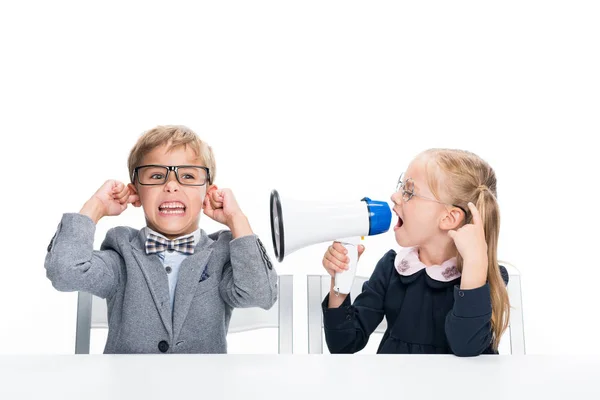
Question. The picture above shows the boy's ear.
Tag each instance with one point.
(209, 190)
(453, 220)
(134, 191)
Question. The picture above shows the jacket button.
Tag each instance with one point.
(461, 293)
(163, 346)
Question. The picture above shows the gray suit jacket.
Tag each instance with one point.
(135, 286)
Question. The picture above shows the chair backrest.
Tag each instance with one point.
(92, 314)
(516, 326)
(318, 287)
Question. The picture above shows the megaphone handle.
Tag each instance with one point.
(344, 280)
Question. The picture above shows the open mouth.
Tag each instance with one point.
(399, 223)
(172, 208)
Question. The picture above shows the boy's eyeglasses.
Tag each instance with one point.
(408, 191)
(187, 175)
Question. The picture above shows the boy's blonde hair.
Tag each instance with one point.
(464, 177)
(173, 136)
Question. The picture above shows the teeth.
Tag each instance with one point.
(180, 211)
(172, 205)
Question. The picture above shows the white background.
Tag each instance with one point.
(319, 100)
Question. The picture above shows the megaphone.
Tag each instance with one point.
(296, 224)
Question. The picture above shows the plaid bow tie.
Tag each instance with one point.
(157, 244)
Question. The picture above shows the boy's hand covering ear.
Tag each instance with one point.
(221, 205)
(111, 199)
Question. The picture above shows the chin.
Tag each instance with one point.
(403, 241)
(173, 228)
(400, 240)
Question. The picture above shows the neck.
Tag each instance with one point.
(436, 252)
(172, 236)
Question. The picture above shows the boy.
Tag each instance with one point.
(170, 287)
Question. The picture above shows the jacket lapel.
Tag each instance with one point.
(156, 279)
(190, 272)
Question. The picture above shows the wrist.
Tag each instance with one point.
(239, 225)
(93, 209)
(335, 299)
(479, 261)
(474, 273)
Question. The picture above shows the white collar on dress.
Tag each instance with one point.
(407, 263)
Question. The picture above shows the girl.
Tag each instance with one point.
(444, 292)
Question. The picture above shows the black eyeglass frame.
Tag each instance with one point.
(169, 168)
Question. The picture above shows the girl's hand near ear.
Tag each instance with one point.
(470, 243)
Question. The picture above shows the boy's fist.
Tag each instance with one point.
(221, 206)
(111, 199)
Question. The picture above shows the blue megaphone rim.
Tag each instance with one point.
(380, 216)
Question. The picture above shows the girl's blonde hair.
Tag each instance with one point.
(174, 136)
(464, 177)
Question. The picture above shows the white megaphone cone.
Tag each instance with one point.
(296, 224)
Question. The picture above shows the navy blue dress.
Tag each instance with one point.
(424, 316)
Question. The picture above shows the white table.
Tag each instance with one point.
(313, 377)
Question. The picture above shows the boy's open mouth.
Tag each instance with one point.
(172, 208)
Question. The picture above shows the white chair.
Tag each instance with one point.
(318, 287)
(92, 314)
(516, 326)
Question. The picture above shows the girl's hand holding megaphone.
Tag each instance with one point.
(336, 258)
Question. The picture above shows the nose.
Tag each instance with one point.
(397, 198)
(172, 184)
